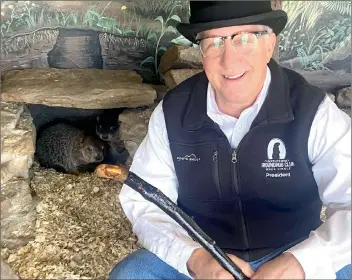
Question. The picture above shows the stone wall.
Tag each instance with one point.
(18, 214)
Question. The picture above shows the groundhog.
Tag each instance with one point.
(68, 149)
(107, 126)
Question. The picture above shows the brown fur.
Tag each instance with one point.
(67, 149)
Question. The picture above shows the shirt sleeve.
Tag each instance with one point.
(328, 248)
(156, 231)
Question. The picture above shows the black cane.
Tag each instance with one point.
(155, 196)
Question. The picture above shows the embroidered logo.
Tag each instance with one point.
(277, 165)
(191, 157)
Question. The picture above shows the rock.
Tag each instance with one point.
(77, 88)
(17, 230)
(344, 97)
(17, 131)
(17, 213)
(180, 57)
(17, 152)
(17, 141)
(52, 75)
(176, 76)
(161, 90)
(134, 127)
(6, 272)
(17, 167)
(326, 80)
(9, 116)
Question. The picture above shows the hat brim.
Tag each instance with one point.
(275, 19)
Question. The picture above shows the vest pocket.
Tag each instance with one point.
(196, 170)
(216, 172)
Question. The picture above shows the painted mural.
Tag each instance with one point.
(133, 35)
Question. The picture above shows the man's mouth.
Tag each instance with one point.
(234, 77)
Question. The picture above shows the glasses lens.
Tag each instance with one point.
(212, 47)
(245, 43)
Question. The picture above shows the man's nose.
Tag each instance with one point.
(230, 57)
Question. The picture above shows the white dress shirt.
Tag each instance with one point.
(328, 248)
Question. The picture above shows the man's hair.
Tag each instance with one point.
(264, 28)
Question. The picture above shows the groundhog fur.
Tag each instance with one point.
(68, 149)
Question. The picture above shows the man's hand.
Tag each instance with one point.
(285, 266)
(202, 265)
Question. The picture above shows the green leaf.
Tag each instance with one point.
(94, 13)
(330, 32)
(105, 22)
(176, 17)
(162, 48)
(181, 40)
(128, 32)
(116, 30)
(171, 29)
(151, 35)
(149, 59)
(160, 18)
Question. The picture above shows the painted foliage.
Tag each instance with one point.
(133, 35)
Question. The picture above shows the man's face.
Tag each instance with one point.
(223, 71)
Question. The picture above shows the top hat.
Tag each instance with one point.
(206, 15)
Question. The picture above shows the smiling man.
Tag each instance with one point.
(251, 151)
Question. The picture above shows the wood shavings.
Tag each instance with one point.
(81, 230)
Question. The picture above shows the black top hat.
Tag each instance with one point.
(206, 15)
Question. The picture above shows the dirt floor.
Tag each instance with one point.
(81, 231)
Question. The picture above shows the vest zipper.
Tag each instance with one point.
(216, 172)
(235, 182)
(233, 153)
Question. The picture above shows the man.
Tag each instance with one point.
(250, 151)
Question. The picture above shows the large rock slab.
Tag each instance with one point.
(77, 88)
(180, 57)
(174, 77)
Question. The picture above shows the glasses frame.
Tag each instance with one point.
(223, 38)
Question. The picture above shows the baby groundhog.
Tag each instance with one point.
(107, 126)
(67, 149)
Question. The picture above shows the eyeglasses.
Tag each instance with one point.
(243, 43)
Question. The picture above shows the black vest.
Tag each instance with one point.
(262, 195)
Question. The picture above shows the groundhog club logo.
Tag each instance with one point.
(277, 166)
